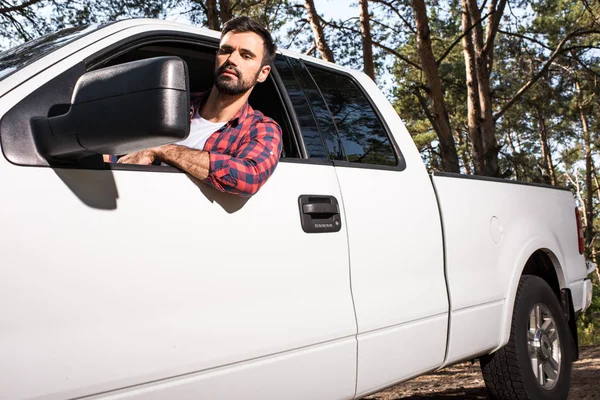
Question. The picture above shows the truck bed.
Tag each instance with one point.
(491, 228)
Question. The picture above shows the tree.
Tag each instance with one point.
(367, 41)
(439, 117)
(317, 28)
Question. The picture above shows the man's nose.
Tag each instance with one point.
(234, 57)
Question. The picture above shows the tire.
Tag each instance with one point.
(539, 336)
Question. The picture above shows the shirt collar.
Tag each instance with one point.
(199, 101)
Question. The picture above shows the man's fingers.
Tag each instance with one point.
(140, 158)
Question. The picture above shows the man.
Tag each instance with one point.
(230, 146)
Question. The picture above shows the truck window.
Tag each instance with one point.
(363, 136)
(20, 56)
(313, 142)
(319, 110)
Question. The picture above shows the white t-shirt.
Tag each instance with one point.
(200, 131)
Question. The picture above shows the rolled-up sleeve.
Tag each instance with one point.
(244, 172)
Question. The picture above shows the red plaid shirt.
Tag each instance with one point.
(244, 152)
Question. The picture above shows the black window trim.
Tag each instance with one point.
(289, 113)
(292, 110)
(310, 105)
(401, 162)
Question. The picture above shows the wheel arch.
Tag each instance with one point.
(540, 257)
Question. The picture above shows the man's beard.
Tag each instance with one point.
(227, 85)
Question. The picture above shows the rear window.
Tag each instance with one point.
(18, 57)
(363, 136)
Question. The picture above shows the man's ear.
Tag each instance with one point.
(264, 73)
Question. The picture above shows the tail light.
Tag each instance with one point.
(579, 231)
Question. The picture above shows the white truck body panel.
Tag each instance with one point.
(508, 222)
(158, 285)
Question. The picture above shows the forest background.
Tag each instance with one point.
(502, 88)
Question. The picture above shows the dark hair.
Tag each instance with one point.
(247, 24)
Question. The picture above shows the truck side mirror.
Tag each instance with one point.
(121, 109)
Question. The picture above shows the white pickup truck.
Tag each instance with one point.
(351, 270)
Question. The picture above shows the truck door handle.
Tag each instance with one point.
(320, 208)
(319, 214)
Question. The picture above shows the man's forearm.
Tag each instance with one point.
(192, 161)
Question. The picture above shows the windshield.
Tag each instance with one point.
(20, 56)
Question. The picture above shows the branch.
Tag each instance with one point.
(482, 6)
(542, 71)
(589, 9)
(309, 51)
(375, 43)
(5, 10)
(425, 108)
(397, 54)
(385, 26)
(526, 38)
(19, 28)
(390, 5)
(585, 66)
(493, 28)
(296, 32)
(458, 39)
(545, 46)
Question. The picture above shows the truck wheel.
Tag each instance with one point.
(536, 362)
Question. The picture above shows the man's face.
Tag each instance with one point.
(239, 63)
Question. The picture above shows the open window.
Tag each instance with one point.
(200, 59)
(54, 98)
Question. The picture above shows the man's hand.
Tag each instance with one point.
(194, 162)
(144, 157)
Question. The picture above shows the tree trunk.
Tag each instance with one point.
(473, 110)
(463, 152)
(495, 11)
(546, 155)
(212, 15)
(488, 134)
(367, 44)
(595, 175)
(511, 144)
(315, 24)
(225, 10)
(440, 114)
(589, 199)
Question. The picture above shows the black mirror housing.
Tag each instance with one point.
(121, 109)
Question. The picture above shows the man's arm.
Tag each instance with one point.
(194, 162)
(242, 173)
(249, 168)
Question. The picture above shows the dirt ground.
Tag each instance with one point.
(464, 381)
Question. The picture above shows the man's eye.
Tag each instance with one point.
(224, 51)
(247, 56)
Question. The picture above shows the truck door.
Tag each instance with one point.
(139, 281)
(394, 230)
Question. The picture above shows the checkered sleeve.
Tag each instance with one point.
(244, 172)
